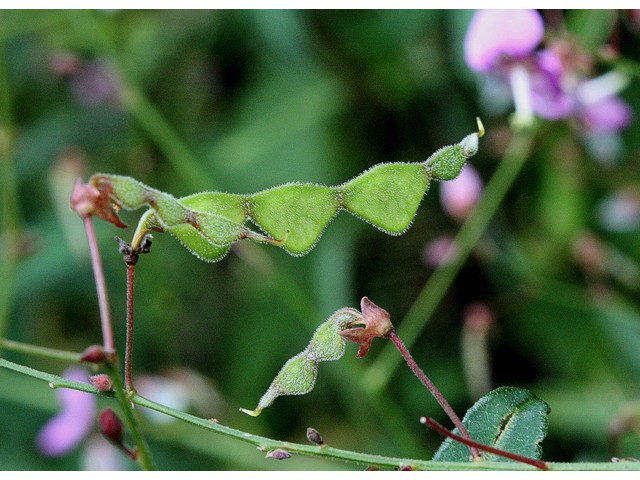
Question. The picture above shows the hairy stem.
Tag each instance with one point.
(380, 372)
(128, 357)
(144, 457)
(326, 451)
(434, 390)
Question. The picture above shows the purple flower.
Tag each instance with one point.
(547, 83)
(498, 37)
(76, 418)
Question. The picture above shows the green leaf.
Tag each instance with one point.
(508, 418)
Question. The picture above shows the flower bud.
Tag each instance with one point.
(102, 382)
(94, 354)
(314, 437)
(111, 426)
(278, 454)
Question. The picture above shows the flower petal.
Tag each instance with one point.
(501, 33)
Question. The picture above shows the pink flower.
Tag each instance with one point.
(76, 418)
(498, 37)
(503, 43)
(459, 196)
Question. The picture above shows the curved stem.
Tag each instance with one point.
(380, 372)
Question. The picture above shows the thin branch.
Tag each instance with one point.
(40, 351)
(101, 286)
(128, 356)
(512, 456)
(434, 391)
(326, 451)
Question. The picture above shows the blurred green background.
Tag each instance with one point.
(239, 101)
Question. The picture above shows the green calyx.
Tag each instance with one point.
(292, 216)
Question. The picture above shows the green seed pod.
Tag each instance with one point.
(293, 215)
(387, 195)
(298, 375)
(304, 209)
(447, 162)
(326, 343)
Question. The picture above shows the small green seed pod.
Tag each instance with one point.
(298, 375)
(326, 343)
(447, 162)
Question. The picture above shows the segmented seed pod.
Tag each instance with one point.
(292, 216)
(298, 374)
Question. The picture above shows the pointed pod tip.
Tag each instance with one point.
(480, 127)
(253, 413)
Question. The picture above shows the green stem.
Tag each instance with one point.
(380, 372)
(150, 118)
(40, 351)
(148, 115)
(326, 451)
(144, 455)
(10, 222)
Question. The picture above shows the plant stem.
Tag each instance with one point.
(144, 457)
(325, 451)
(128, 357)
(101, 286)
(150, 118)
(380, 372)
(10, 221)
(124, 398)
(513, 456)
(40, 351)
(434, 391)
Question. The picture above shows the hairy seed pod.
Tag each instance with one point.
(292, 216)
(298, 374)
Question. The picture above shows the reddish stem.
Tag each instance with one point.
(128, 382)
(513, 456)
(101, 286)
(434, 391)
